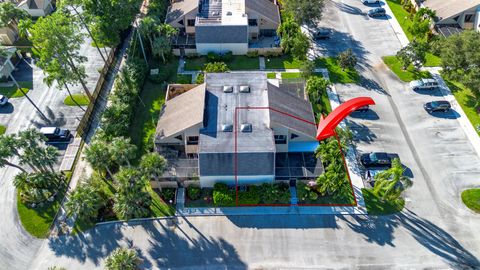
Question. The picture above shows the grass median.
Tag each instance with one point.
(406, 75)
(471, 198)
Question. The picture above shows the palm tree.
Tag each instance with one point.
(122, 259)
(131, 200)
(98, 155)
(122, 151)
(390, 184)
(84, 202)
(153, 165)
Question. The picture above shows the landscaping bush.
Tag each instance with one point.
(275, 193)
(168, 194)
(193, 193)
(252, 54)
(223, 196)
(217, 57)
(216, 67)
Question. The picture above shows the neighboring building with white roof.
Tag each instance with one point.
(36, 8)
(237, 124)
(222, 25)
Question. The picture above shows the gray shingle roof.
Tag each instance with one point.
(182, 112)
(221, 34)
(301, 109)
(266, 8)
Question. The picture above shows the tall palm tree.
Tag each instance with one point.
(390, 184)
(99, 156)
(122, 259)
(153, 165)
(122, 151)
(131, 200)
(84, 202)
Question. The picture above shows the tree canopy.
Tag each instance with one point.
(307, 12)
(9, 12)
(293, 41)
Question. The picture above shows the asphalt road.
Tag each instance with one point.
(435, 231)
(18, 248)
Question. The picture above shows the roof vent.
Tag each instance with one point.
(229, 13)
(227, 89)
(227, 128)
(246, 128)
(244, 89)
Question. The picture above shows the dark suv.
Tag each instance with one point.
(437, 106)
(322, 34)
(377, 159)
(377, 12)
(55, 134)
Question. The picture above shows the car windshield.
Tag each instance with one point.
(377, 156)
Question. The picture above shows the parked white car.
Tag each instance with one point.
(367, 2)
(424, 84)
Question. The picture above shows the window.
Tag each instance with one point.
(252, 22)
(179, 137)
(180, 22)
(191, 22)
(293, 136)
(469, 18)
(280, 139)
(192, 140)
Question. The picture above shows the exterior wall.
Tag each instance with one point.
(461, 19)
(176, 52)
(36, 12)
(7, 69)
(209, 181)
(192, 131)
(278, 130)
(266, 51)
(8, 35)
(235, 48)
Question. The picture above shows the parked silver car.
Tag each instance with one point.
(424, 84)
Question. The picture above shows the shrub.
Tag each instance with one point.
(252, 54)
(200, 78)
(216, 67)
(194, 193)
(213, 57)
(221, 198)
(168, 193)
(227, 57)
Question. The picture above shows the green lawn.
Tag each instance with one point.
(37, 221)
(195, 63)
(377, 207)
(291, 75)
(3, 129)
(146, 116)
(403, 17)
(471, 198)
(407, 75)
(337, 75)
(432, 60)
(184, 79)
(13, 92)
(80, 99)
(467, 100)
(271, 75)
(242, 62)
(282, 62)
(158, 207)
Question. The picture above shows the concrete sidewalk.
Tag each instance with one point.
(396, 26)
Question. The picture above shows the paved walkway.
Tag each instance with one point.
(262, 63)
(396, 26)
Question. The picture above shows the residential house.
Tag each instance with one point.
(36, 8)
(224, 25)
(237, 128)
(454, 16)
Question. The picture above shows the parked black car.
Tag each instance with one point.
(55, 134)
(437, 106)
(377, 159)
(322, 34)
(376, 12)
(363, 109)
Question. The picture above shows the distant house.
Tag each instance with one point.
(237, 128)
(7, 62)
(454, 16)
(36, 8)
(223, 25)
